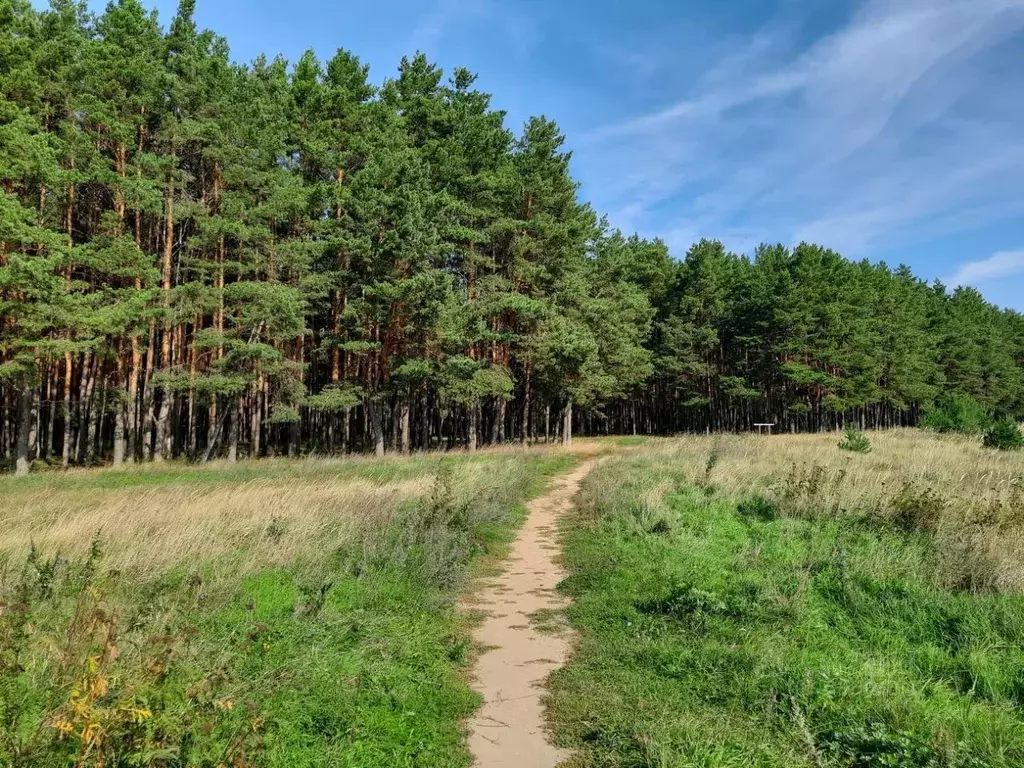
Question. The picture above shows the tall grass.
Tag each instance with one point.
(792, 604)
(299, 616)
(970, 497)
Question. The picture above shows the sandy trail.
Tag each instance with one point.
(508, 730)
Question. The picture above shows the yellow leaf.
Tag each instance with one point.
(91, 734)
(137, 715)
(100, 686)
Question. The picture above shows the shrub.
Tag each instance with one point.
(917, 509)
(855, 440)
(958, 413)
(1005, 435)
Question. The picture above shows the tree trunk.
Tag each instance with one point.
(22, 463)
(120, 415)
(257, 418)
(404, 416)
(425, 420)
(396, 427)
(527, 421)
(134, 407)
(33, 424)
(85, 391)
(51, 398)
(162, 422)
(376, 428)
(96, 427)
(233, 414)
(474, 416)
(496, 423)
(65, 458)
(567, 422)
(162, 431)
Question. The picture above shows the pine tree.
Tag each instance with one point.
(201, 258)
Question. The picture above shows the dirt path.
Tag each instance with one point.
(508, 730)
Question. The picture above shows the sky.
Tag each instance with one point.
(884, 129)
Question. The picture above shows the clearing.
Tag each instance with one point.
(736, 601)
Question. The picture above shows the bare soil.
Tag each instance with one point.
(521, 644)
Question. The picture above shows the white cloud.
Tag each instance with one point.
(975, 273)
(898, 126)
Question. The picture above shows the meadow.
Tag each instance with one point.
(755, 601)
(285, 613)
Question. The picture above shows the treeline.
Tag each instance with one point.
(199, 258)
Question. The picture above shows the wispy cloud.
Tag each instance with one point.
(1000, 265)
(520, 32)
(901, 124)
(429, 32)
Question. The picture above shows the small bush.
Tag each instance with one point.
(917, 509)
(803, 488)
(958, 413)
(1004, 435)
(276, 529)
(855, 440)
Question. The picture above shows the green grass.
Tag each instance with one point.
(351, 657)
(711, 636)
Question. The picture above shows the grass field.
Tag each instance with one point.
(280, 613)
(779, 602)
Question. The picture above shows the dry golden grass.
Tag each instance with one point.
(970, 497)
(234, 518)
(958, 468)
(162, 526)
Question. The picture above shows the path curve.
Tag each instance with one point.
(508, 730)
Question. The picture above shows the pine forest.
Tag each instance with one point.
(204, 259)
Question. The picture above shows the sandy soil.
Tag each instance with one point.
(523, 639)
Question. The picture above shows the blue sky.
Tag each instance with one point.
(886, 129)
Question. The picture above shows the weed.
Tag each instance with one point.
(917, 509)
(710, 465)
(661, 527)
(313, 598)
(276, 529)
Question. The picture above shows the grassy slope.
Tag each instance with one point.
(351, 655)
(710, 637)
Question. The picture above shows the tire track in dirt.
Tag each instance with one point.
(520, 646)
